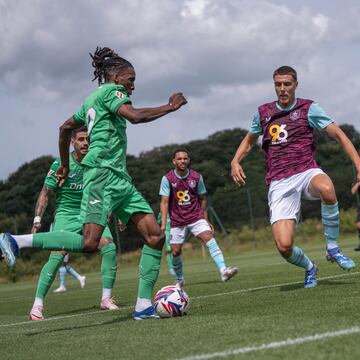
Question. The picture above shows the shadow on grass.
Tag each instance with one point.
(85, 309)
(291, 287)
(199, 283)
(75, 311)
(320, 283)
(119, 319)
(335, 282)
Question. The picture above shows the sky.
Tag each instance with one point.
(220, 53)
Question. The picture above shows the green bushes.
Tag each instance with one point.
(31, 261)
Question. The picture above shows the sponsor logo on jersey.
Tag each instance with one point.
(192, 183)
(120, 95)
(278, 134)
(76, 186)
(294, 115)
(93, 202)
(183, 197)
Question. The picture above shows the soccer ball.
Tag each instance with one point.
(171, 301)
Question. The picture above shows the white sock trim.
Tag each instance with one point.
(142, 304)
(38, 302)
(24, 241)
(106, 293)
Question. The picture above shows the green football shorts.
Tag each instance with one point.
(105, 193)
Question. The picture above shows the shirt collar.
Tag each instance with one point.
(288, 108)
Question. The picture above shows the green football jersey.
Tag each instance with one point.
(69, 195)
(106, 129)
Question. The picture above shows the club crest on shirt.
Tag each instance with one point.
(192, 183)
(50, 173)
(119, 94)
(294, 115)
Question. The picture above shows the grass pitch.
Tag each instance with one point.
(262, 313)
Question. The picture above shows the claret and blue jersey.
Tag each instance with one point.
(288, 142)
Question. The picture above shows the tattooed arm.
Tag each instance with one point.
(40, 207)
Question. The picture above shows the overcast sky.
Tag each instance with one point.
(219, 53)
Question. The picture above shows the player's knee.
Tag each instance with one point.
(176, 252)
(284, 249)
(90, 246)
(327, 193)
(206, 236)
(103, 242)
(156, 240)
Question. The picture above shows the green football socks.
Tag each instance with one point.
(58, 241)
(108, 265)
(47, 274)
(149, 271)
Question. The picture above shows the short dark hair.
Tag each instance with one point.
(181, 149)
(285, 70)
(77, 130)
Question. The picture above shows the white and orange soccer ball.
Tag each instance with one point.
(171, 301)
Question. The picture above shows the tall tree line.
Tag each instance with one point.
(211, 157)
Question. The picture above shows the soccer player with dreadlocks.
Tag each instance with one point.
(107, 184)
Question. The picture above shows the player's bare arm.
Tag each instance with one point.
(335, 132)
(203, 204)
(144, 115)
(164, 209)
(237, 172)
(64, 144)
(355, 188)
(40, 207)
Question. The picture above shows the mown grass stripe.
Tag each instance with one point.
(193, 298)
(274, 345)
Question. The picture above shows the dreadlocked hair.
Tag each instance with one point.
(107, 63)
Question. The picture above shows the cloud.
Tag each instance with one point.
(220, 54)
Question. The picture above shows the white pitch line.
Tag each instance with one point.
(193, 298)
(62, 317)
(274, 345)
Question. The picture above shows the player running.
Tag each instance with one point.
(65, 269)
(292, 172)
(68, 201)
(107, 184)
(183, 196)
